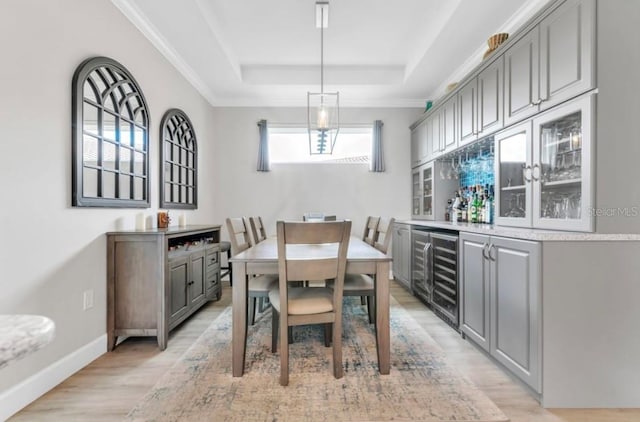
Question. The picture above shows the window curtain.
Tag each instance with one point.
(263, 147)
(377, 156)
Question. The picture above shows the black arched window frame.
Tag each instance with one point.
(178, 161)
(110, 137)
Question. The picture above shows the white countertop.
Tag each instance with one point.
(21, 335)
(522, 232)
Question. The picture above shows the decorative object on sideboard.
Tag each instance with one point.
(494, 42)
(163, 219)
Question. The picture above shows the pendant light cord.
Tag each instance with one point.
(322, 50)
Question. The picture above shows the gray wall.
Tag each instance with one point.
(50, 251)
(289, 190)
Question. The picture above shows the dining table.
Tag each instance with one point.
(262, 258)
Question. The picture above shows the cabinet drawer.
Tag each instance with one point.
(213, 279)
(212, 258)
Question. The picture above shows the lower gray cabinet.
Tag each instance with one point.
(188, 274)
(501, 302)
(156, 278)
(401, 251)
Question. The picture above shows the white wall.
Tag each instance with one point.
(50, 252)
(289, 190)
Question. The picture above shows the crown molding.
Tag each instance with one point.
(131, 11)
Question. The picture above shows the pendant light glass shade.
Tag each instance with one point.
(323, 121)
(322, 108)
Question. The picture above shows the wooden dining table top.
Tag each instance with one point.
(267, 251)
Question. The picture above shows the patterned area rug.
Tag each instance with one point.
(422, 385)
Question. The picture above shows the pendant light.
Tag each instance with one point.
(323, 107)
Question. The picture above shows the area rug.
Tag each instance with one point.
(422, 385)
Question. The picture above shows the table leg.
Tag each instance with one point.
(382, 317)
(239, 315)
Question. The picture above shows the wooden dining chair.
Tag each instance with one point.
(309, 251)
(363, 285)
(370, 229)
(257, 228)
(259, 286)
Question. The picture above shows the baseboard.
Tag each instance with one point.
(20, 395)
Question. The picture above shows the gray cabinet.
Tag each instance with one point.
(419, 148)
(423, 191)
(480, 103)
(474, 288)
(448, 124)
(567, 52)
(521, 78)
(551, 63)
(401, 251)
(544, 169)
(434, 135)
(192, 281)
(156, 278)
(467, 111)
(501, 303)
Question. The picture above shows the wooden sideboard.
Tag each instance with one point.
(156, 278)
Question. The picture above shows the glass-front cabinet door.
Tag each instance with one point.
(513, 176)
(562, 167)
(427, 191)
(416, 193)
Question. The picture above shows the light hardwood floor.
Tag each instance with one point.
(110, 386)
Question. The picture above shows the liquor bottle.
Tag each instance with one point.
(474, 208)
(488, 209)
(456, 213)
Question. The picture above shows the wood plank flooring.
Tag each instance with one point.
(110, 386)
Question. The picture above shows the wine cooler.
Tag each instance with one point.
(434, 272)
(444, 297)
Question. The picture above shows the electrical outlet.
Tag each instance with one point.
(87, 300)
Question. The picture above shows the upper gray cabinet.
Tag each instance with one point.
(480, 103)
(567, 52)
(551, 63)
(448, 115)
(419, 148)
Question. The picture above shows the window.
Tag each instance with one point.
(291, 145)
(110, 137)
(179, 158)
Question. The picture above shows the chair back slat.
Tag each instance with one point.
(238, 234)
(370, 228)
(383, 234)
(317, 269)
(257, 228)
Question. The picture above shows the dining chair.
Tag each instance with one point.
(370, 229)
(363, 285)
(257, 228)
(258, 286)
(309, 251)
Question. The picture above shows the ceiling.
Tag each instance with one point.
(376, 53)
